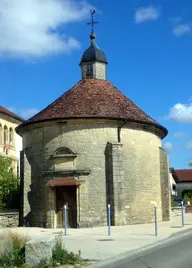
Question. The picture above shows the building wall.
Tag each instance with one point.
(138, 154)
(165, 185)
(13, 152)
(180, 187)
(172, 185)
(98, 68)
(142, 184)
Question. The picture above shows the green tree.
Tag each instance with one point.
(190, 164)
(9, 184)
(187, 195)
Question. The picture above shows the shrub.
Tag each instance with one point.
(173, 203)
(15, 251)
(9, 184)
(62, 256)
(187, 195)
(43, 264)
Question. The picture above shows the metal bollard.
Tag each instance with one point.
(156, 224)
(65, 219)
(182, 214)
(109, 220)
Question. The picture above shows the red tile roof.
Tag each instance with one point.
(182, 175)
(9, 113)
(94, 98)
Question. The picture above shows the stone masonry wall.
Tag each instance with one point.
(99, 70)
(115, 182)
(88, 139)
(165, 185)
(9, 219)
(141, 175)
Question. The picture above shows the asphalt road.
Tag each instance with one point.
(175, 254)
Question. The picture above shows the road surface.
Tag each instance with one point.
(175, 254)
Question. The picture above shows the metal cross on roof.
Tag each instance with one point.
(92, 23)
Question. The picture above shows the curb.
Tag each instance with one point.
(131, 253)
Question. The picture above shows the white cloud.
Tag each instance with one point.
(30, 28)
(181, 29)
(179, 134)
(181, 113)
(189, 145)
(168, 147)
(146, 13)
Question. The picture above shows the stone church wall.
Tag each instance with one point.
(165, 185)
(142, 175)
(138, 154)
(89, 142)
(115, 182)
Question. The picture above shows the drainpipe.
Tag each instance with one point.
(119, 130)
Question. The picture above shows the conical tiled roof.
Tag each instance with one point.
(94, 98)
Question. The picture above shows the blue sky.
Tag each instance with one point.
(147, 43)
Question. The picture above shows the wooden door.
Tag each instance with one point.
(66, 196)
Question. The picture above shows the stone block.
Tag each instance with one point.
(39, 248)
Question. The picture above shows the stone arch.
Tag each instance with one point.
(64, 158)
(5, 135)
(63, 151)
(11, 137)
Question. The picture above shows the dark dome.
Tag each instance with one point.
(93, 53)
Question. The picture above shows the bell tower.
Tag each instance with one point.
(93, 62)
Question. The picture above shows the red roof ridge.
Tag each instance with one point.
(5, 111)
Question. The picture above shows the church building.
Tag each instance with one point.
(89, 148)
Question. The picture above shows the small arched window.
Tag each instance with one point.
(63, 158)
(63, 151)
(11, 138)
(5, 136)
(1, 134)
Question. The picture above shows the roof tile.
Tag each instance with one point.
(94, 98)
(11, 114)
(183, 175)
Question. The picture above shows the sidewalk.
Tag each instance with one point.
(95, 244)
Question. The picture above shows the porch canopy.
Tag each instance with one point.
(65, 181)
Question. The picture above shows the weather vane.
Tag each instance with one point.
(92, 23)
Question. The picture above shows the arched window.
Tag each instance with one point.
(1, 134)
(11, 138)
(63, 151)
(63, 158)
(5, 136)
